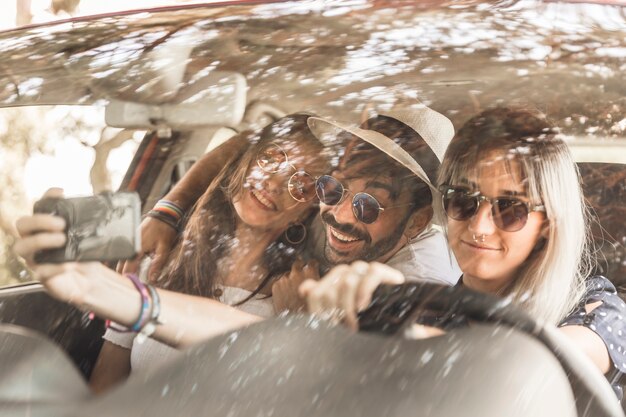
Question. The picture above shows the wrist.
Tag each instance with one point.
(169, 208)
(167, 212)
(113, 297)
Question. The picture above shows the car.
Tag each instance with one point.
(145, 93)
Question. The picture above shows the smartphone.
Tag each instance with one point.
(104, 227)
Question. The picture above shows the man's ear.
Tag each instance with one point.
(418, 222)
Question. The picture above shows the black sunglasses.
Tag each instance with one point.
(332, 192)
(509, 214)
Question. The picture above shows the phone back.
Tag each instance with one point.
(103, 227)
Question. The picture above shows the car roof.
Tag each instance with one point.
(341, 59)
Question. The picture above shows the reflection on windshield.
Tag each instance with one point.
(349, 110)
(566, 53)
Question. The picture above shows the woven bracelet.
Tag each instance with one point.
(169, 208)
(165, 218)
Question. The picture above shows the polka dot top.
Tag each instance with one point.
(607, 321)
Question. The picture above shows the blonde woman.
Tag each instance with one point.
(518, 227)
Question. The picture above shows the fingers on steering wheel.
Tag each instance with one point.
(376, 275)
(306, 287)
(387, 274)
(348, 287)
(322, 295)
(307, 291)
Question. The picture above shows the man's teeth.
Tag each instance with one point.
(262, 199)
(342, 237)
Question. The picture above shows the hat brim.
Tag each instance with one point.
(327, 131)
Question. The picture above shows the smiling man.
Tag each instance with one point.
(378, 204)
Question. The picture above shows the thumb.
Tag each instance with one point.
(54, 192)
(131, 266)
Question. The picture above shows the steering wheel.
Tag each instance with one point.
(396, 307)
(302, 366)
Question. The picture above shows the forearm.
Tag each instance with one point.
(190, 319)
(187, 191)
(186, 319)
(112, 367)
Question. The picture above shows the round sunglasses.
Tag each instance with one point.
(301, 185)
(508, 213)
(331, 192)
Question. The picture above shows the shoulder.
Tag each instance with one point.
(603, 311)
(598, 283)
(599, 288)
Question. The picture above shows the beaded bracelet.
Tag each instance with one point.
(150, 327)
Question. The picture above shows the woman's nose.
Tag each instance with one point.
(482, 221)
(275, 182)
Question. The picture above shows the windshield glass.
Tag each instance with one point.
(313, 135)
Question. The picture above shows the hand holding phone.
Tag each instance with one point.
(98, 228)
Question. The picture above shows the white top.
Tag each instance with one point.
(152, 353)
(427, 258)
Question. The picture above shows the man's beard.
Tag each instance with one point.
(370, 251)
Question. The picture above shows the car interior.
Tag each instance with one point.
(191, 77)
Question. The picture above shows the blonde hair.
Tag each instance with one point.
(550, 283)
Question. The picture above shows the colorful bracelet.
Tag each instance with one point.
(144, 314)
(150, 327)
(145, 307)
(167, 212)
(169, 208)
(164, 218)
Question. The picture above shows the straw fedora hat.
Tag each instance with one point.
(433, 128)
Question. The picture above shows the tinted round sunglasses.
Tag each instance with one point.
(508, 213)
(301, 185)
(331, 192)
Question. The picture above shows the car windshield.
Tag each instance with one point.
(131, 101)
